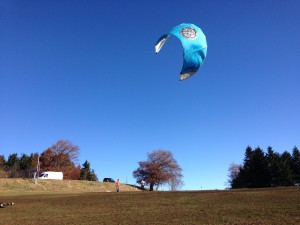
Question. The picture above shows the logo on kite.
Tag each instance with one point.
(194, 46)
(188, 33)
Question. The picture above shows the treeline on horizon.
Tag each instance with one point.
(61, 157)
(270, 169)
(258, 170)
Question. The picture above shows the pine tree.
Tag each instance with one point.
(12, 166)
(274, 167)
(2, 165)
(254, 173)
(86, 173)
(285, 169)
(296, 165)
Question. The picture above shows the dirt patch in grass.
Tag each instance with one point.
(255, 206)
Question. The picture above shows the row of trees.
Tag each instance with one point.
(269, 169)
(160, 168)
(15, 166)
(62, 156)
(258, 170)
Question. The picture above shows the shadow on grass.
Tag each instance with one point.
(138, 187)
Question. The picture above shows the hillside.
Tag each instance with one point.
(10, 185)
(267, 206)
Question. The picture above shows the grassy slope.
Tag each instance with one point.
(11, 186)
(249, 206)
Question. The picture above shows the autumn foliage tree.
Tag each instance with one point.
(62, 156)
(159, 168)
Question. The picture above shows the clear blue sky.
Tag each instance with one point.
(86, 71)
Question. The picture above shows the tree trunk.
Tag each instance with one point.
(151, 187)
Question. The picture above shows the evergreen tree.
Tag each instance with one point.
(25, 166)
(241, 180)
(285, 169)
(296, 165)
(12, 166)
(93, 176)
(2, 164)
(246, 177)
(86, 173)
(234, 171)
(274, 162)
(258, 171)
(254, 173)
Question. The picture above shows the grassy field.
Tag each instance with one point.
(11, 186)
(255, 206)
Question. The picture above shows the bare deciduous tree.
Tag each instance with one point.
(159, 168)
(233, 170)
(67, 148)
(175, 184)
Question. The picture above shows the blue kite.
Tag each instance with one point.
(194, 46)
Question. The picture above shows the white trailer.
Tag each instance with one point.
(50, 175)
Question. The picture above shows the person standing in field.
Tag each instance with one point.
(143, 185)
(118, 184)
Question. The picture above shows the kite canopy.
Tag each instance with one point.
(194, 46)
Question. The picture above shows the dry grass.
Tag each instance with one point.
(11, 186)
(249, 206)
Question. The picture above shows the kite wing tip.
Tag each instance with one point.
(184, 76)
